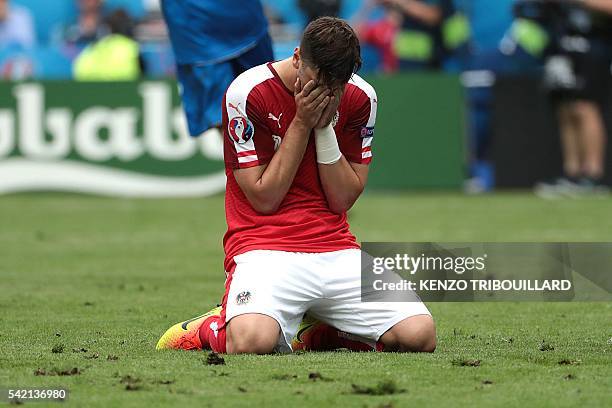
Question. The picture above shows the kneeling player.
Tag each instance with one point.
(297, 149)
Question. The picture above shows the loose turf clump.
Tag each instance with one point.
(56, 371)
(131, 383)
(214, 359)
(164, 382)
(284, 377)
(466, 363)
(567, 361)
(316, 376)
(386, 387)
(58, 348)
(545, 346)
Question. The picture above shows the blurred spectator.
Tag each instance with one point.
(578, 77)
(16, 26)
(314, 9)
(456, 35)
(88, 27)
(115, 57)
(380, 33)
(418, 42)
(409, 34)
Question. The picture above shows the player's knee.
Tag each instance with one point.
(251, 344)
(415, 334)
(252, 335)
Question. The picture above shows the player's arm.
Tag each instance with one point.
(266, 186)
(604, 6)
(343, 181)
(429, 14)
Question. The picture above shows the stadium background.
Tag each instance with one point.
(89, 283)
(457, 124)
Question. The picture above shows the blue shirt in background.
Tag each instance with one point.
(17, 29)
(490, 20)
(212, 31)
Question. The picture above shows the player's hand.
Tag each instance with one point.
(310, 102)
(330, 111)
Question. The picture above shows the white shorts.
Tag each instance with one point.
(286, 285)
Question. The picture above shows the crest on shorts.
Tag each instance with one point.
(240, 129)
(243, 298)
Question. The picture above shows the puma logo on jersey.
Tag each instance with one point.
(271, 116)
(236, 108)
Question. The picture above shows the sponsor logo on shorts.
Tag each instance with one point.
(243, 298)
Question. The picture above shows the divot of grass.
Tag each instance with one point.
(385, 387)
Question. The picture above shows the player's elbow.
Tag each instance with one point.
(339, 208)
(266, 209)
(340, 205)
(265, 205)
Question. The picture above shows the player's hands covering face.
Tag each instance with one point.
(330, 111)
(310, 102)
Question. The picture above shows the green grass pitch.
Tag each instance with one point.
(91, 283)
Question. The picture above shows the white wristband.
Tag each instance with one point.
(328, 151)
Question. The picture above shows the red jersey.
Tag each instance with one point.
(258, 110)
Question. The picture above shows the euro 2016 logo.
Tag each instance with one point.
(241, 129)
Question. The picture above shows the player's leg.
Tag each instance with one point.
(186, 335)
(399, 326)
(202, 88)
(568, 128)
(592, 134)
(266, 299)
(261, 53)
(253, 334)
(415, 333)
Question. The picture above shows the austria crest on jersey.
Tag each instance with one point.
(241, 129)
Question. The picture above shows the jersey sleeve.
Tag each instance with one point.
(248, 140)
(356, 136)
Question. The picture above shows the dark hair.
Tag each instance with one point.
(331, 45)
(120, 22)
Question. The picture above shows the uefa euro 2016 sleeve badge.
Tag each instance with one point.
(241, 129)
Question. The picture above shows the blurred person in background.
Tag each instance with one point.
(578, 77)
(16, 26)
(88, 28)
(314, 9)
(408, 34)
(114, 57)
(379, 32)
(418, 41)
(214, 41)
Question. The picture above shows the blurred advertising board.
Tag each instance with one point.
(130, 139)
